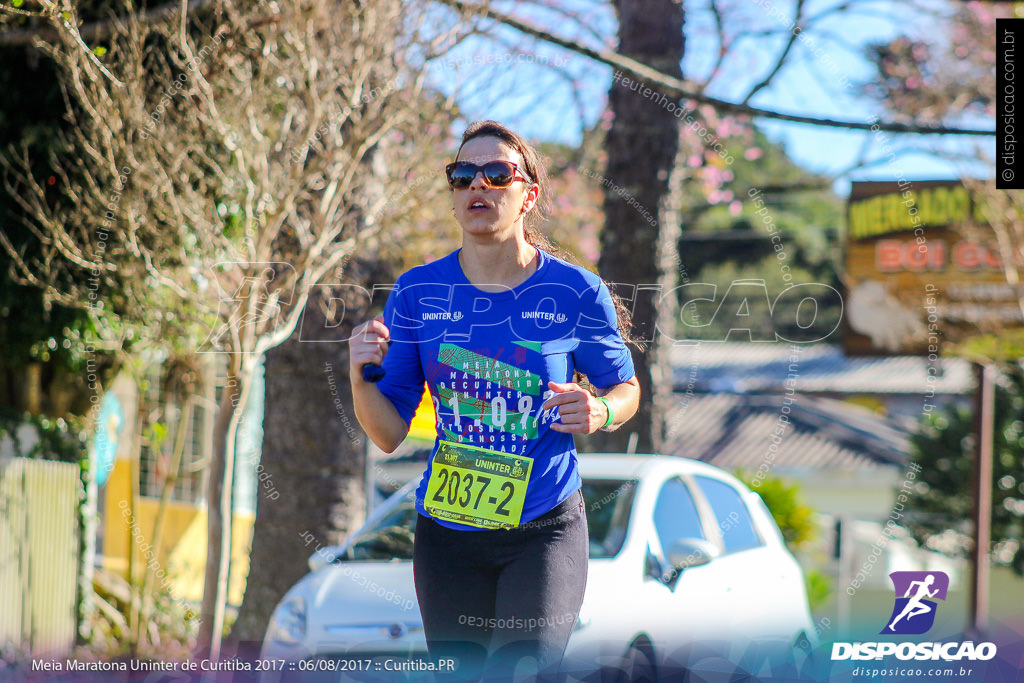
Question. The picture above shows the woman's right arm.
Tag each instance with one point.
(375, 411)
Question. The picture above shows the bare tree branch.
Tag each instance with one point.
(782, 56)
(678, 89)
(217, 178)
(93, 31)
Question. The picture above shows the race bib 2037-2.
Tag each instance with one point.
(476, 486)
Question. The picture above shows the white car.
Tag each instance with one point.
(687, 570)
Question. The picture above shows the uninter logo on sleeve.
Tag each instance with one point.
(454, 316)
(543, 315)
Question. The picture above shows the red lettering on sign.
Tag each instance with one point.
(893, 256)
(887, 256)
(970, 256)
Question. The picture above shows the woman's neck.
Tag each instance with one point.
(497, 266)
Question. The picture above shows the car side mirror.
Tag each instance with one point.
(691, 552)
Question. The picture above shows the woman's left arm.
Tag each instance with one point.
(581, 412)
(624, 399)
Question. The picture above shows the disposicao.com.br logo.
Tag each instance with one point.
(913, 613)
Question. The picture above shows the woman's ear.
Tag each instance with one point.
(530, 200)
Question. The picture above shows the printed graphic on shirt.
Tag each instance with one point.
(489, 402)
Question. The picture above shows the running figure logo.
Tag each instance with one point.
(913, 613)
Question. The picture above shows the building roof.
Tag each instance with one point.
(746, 367)
(731, 407)
(747, 431)
(738, 431)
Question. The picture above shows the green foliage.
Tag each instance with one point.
(819, 587)
(796, 522)
(53, 439)
(794, 517)
(792, 239)
(169, 625)
(1005, 347)
(944, 449)
(156, 435)
(765, 312)
(31, 329)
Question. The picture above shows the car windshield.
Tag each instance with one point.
(609, 502)
(390, 538)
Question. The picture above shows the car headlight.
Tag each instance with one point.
(288, 625)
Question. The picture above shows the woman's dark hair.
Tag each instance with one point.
(540, 212)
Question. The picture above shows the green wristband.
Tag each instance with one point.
(611, 414)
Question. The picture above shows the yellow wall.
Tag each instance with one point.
(424, 421)
(182, 551)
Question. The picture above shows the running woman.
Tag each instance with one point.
(497, 330)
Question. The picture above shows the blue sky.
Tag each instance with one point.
(549, 93)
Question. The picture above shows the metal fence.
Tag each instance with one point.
(39, 555)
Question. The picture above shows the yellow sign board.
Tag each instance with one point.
(921, 269)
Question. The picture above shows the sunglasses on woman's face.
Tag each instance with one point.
(496, 174)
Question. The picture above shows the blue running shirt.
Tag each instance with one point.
(487, 358)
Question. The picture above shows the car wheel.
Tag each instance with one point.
(637, 665)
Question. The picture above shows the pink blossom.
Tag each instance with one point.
(981, 12)
(590, 247)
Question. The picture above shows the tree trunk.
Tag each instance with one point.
(166, 491)
(313, 458)
(219, 508)
(635, 251)
(138, 425)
